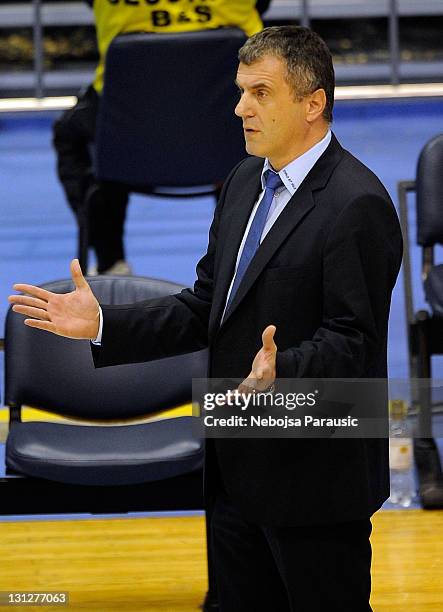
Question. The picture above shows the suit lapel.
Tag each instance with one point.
(294, 212)
(298, 207)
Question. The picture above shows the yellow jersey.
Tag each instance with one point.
(113, 17)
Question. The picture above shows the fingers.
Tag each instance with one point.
(269, 349)
(29, 311)
(77, 275)
(44, 325)
(268, 338)
(32, 290)
(27, 301)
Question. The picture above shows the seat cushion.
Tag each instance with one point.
(114, 455)
(433, 287)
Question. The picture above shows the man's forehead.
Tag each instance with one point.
(269, 68)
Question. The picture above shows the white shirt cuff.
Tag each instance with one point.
(98, 340)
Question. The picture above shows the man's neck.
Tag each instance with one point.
(309, 142)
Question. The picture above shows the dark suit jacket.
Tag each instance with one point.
(324, 276)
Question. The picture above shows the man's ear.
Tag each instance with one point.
(316, 103)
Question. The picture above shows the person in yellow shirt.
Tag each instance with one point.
(74, 131)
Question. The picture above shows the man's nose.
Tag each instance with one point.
(243, 108)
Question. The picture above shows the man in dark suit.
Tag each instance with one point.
(303, 254)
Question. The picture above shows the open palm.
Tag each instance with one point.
(74, 314)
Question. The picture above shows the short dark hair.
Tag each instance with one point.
(307, 58)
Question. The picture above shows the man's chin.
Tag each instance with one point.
(254, 149)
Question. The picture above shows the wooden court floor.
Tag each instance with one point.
(158, 564)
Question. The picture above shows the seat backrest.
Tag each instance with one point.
(58, 374)
(167, 111)
(429, 186)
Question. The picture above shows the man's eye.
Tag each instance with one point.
(261, 93)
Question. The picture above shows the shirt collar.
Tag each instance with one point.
(294, 173)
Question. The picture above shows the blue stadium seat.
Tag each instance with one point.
(166, 117)
(57, 374)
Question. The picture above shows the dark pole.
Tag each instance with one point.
(305, 20)
(394, 42)
(38, 49)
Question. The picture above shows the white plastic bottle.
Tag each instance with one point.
(400, 455)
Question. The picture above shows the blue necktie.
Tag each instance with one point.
(272, 182)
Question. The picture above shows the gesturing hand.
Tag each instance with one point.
(74, 314)
(262, 374)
